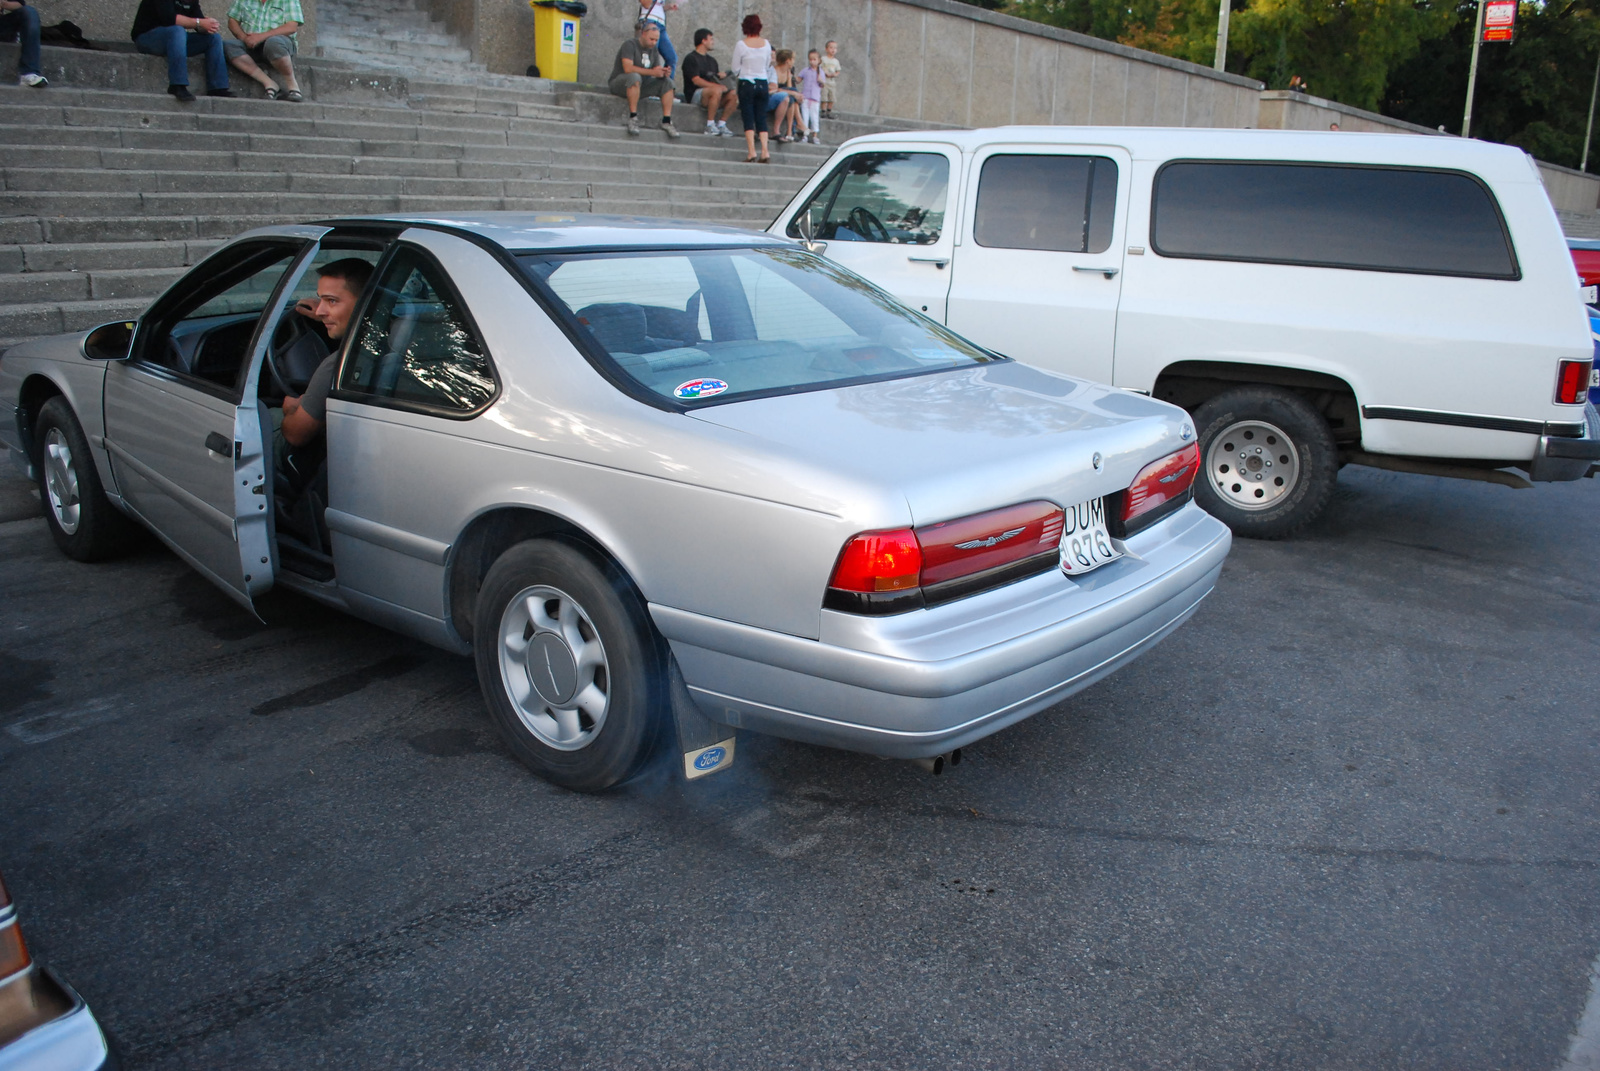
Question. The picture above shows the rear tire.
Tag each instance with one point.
(569, 666)
(82, 520)
(1267, 461)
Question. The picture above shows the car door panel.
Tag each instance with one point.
(191, 454)
(1019, 286)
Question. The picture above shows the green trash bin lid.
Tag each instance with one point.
(566, 7)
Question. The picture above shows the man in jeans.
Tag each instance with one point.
(264, 37)
(18, 20)
(640, 72)
(178, 29)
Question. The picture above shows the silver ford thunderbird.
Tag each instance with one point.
(662, 481)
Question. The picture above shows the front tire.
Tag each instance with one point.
(1267, 461)
(82, 520)
(569, 666)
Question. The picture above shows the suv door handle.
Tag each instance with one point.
(217, 444)
(1107, 272)
(938, 262)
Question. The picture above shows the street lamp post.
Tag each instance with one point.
(1589, 129)
(1472, 74)
(1222, 35)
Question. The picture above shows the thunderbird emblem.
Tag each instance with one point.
(974, 544)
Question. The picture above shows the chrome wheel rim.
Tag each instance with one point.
(1253, 465)
(61, 481)
(553, 668)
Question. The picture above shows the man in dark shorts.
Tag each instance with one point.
(703, 84)
(339, 287)
(641, 72)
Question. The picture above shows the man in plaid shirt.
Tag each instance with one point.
(265, 31)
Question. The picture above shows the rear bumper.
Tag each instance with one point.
(1560, 458)
(921, 683)
(71, 1041)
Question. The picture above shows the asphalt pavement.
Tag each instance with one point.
(1346, 817)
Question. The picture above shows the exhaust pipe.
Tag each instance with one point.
(937, 764)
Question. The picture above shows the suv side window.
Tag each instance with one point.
(894, 197)
(1061, 203)
(1364, 217)
(416, 347)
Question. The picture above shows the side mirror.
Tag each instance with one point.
(109, 342)
(808, 234)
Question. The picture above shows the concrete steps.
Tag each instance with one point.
(110, 190)
(394, 34)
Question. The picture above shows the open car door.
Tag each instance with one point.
(189, 441)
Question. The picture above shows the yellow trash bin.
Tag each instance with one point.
(555, 37)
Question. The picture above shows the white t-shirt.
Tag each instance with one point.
(654, 10)
(751, 64)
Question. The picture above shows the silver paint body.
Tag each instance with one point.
(728, 518)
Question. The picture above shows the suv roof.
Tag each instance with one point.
(552, 231)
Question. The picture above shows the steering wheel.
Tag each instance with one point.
(864, 223)
(292, 327)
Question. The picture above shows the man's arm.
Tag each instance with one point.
(630, 67)
(299, 426)
(12, 5)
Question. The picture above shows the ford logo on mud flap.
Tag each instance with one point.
(711, 758)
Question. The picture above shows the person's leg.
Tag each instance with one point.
(209, 45)
(627, 87)
(730, 104)
(279, 51)
(666, 104)
(747, 113)
(171, 42)
(760, 93)
(245, 64)
(22, 25)
(668, 53)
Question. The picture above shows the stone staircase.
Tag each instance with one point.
(111, 189)
(391, 35)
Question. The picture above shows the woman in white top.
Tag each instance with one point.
(751, 58)
(656, 11)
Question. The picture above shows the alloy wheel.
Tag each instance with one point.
(61, 481)
(1253, 464)
(554, 668)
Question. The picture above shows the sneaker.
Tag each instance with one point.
(181, 94)
(711, 129)
(33, 81)
(815, 140)
(672, 131)
(722, 128)
(633, 126)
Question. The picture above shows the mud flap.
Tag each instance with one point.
(707, 746)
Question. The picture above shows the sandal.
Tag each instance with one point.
(293, 96)
(765, 160)
(272, 94)
(749, 159)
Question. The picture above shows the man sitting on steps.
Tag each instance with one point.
(704, 84)
(265, 31)
(178, 29)
(18, 20)
(640, 72)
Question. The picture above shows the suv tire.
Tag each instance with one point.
(82, 520)
(569, 665)
(1267, 461)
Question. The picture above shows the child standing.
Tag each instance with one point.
(812, 82)
(831, 71)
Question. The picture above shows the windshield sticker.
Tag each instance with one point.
(699, 388)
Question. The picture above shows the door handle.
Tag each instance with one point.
(1107, 272)
(938, 262)
(218, 444)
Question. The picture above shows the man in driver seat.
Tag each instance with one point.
(339, 287)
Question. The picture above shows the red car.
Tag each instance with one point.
(44, 1025)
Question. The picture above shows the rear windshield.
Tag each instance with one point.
(1331, 215)
(706, 326)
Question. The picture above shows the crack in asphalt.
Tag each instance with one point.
(348, 963)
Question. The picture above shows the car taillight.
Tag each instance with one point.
(1572, 382)
(903, 568)
(969, 545)
(879, 561)
(1160, 483)
(13, 951)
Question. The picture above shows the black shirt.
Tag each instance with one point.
(155, 14)
(695, 66)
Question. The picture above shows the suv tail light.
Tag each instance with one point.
(904, 569)
(1160, 488)
(1572, 382)
(13, 951)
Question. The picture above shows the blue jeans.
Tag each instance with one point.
(178, 44)
(668, 53)
(24, 23)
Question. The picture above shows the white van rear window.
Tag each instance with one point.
(1331, 215)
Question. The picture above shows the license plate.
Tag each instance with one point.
(1085, 541)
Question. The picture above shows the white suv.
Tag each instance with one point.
(1314, 299)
